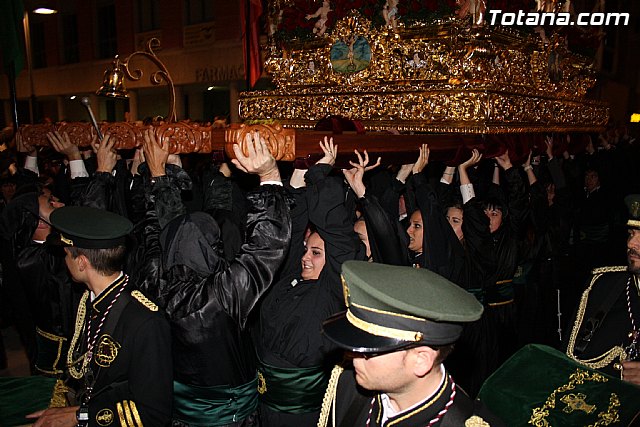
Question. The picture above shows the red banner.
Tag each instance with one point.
(251, 11)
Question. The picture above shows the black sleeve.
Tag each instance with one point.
(517, 201)
(438, 236)
(252, 271)
(299, 223)
(145, 262)
(477, 236)
(386, 246)
(327, 212)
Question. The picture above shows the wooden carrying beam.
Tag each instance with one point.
(289, 144)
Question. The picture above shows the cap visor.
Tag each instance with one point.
(338, 330)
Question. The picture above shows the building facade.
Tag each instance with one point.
(201, 46)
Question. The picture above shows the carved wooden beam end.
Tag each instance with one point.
(183, 137)
(281, 141)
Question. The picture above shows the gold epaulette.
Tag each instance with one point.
(616, 269)
(144, 300)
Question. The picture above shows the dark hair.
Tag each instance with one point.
(496, 203)
(104, 261)
(453, 204)
(592, 169)
(443, 352)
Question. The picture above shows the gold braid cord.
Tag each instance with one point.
(59, 397)
(71, 364)
(539, 415)
(330, 395)
(599, 361)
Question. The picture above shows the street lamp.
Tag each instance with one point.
(44, 11)
(41, 10)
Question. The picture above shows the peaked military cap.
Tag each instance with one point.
(633, 205)
(90, 228)
(393, 307)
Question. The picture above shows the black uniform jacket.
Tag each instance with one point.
(600, 333)
(53, 298)
(131, 361)
(354, 405)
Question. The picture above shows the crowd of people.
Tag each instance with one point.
(180, 290)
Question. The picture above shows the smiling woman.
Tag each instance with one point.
(313, 259)
(293, 356)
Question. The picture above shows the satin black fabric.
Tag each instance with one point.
(193, 241)
(208, 310)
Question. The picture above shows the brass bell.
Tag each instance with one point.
(113, 82)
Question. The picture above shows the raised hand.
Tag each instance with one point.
(527, 162)
(549, 143)
(423, 160)
(472, 161)
(258, 160)
(156, 153)
(62, 144)
(504, 161)
(330, 152)
(105, 154)
(355, 174)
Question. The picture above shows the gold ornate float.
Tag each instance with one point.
(446, 77)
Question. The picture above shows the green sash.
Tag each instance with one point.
(20, 396)
(214, 406)
(292, 390)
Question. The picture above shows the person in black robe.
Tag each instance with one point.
(207, 298)
(374, 227)
(294, 358)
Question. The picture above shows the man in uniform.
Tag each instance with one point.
(400, 325)
(121, 348)
(606, 328)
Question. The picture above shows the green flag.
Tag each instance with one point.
(11, 15)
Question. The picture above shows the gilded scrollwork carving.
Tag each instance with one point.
(126, 135)
(280, 141)
(36, 134)
(81, 133)
(183, 137)
(432, 76)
